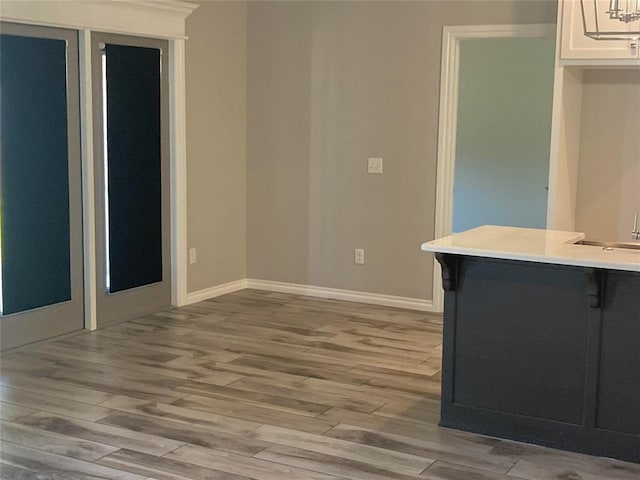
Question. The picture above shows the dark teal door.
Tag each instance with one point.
(40, 185)
(130, 87)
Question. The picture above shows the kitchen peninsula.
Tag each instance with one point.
(541, 339)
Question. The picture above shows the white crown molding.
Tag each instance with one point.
(149, 18)
(178, 6)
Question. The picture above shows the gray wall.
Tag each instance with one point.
(609, 166)
(505, 94)
(330, 84)
(216, 74)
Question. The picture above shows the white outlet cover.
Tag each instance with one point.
(374, 165)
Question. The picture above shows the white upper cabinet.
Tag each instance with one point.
(577, 48)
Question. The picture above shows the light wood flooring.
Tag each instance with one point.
(254, 385)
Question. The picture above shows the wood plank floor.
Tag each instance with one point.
(254, 385)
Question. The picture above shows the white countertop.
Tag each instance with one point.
(533, 245)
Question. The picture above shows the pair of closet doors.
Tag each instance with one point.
(45, 222)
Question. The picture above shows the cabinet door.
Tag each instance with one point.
(576, 45)
(619, 379)
(520, 339)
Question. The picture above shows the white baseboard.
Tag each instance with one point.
(216, 291)
(311, 291)
(338, 294)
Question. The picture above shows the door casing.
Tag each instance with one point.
(447, 123)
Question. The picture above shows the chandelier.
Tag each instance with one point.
(611, 19)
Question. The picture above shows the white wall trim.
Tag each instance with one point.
(459, 32)
(159, 18)
(563, 173)
(216, 291)
(310, 291)
(178, 134)
(338, 294)
(556, 115)
(88, 182)
(447, 122)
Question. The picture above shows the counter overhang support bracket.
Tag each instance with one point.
(595, 286)
(449, 264)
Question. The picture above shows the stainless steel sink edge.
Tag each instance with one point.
(608, 245)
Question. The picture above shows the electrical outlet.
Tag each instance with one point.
(192, 255)
(359, 256)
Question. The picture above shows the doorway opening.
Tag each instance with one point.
(494, 129)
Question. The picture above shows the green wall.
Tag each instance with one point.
(503, 135)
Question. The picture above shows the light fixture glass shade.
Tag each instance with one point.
(611, 19)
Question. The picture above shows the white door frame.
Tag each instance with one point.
(448, 120)
(163, 19)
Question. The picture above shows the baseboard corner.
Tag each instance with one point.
(215, 291)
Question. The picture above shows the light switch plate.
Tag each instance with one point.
(374, 165)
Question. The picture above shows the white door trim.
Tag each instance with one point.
(88, 182)
(178, 171)
(447, 122)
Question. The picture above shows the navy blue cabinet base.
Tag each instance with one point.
(542, 353)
